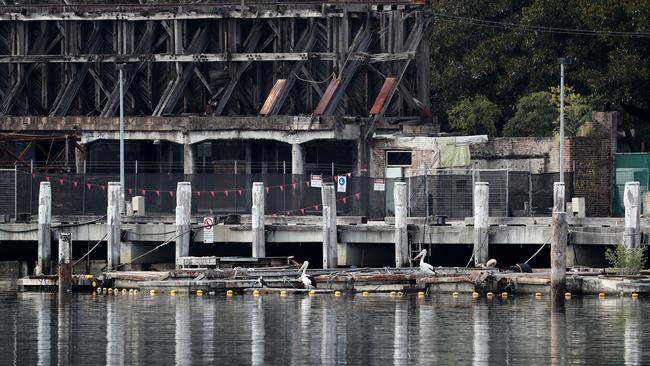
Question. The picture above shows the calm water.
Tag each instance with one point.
(296, 330)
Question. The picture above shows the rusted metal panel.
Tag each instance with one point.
(327, 96)
(272, 98)
(384, 93)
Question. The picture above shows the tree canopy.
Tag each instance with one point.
(475, 115)
(506, 50)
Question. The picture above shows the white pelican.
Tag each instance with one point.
(426, 268)
(307, 280)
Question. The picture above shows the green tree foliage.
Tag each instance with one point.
(627, 261)
(505, 63)
(535, 116)
(475, 115)
(577, 110)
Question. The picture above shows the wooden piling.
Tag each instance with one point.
(113, 221)
(257, 212)
(559, 232)
(558, 197)
(330, 240)
(44, 265)
(401, 232)
(481, 225)
(632, 238)
(65, 263)
(183, 211)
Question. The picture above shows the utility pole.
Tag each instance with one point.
(122, 196)
(562, 61)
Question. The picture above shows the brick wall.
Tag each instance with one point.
(592, 160)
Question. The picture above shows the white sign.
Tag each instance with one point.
(316, 181)
(341, 183)
(379, 185)
(208, 230)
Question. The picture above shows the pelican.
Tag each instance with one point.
(262, 283)
(426, 268)
(307, 280)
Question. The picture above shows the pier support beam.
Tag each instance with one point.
(183, 210)
(558, 198)
(481, 226)
(188, 158)
(401, 234)
(297, 159)
(631, 202)
(330, 249)
(114, 225)
(559, 232)
(257, 213)
(65, 263)
(44, 265)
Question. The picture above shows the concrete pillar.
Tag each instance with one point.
(297, 159)
(114, 224)
(257, 213)
(646, 204)
(65, 263)
(558, 198)
(183, 212)
(559, 232)
(481, 225)
(189, 153)
(44, 265)
(330, 249)
(80, 157)
(401, 234)
(632, 238)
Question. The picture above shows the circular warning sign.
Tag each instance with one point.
(208, 223)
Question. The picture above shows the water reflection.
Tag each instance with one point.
(481, 336)
(42, 303)
(182, 335)
(632, 333)
(400, 340)
(558, 334)
(114, 337)
(427, 349)
(258, 332)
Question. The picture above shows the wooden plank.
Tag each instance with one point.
(327, 97)
(272, 98)
(386, 88)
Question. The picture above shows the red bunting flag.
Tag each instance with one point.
(241, 191)
(307, 184)
(225, 193)
(316, 207)
(344, 199)
(75, 183)
(198, 193)
(89, 186)
(158, 193)
(293, 186)
(302, 211)
(282, 188)
(103, 187)
(288, 213)
(61, 181)
(349, 175)
(212, 194)
(275, 215)
(266, 189)
(144, 191)
(33, 175)
(47, 178)
(130, 190)
(357, 195)
(171, 193)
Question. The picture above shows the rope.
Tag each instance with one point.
(538, 250)
(91, 249)
(53, 227)
(152, 250)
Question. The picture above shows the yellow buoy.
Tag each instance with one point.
(88, 277)
(94, 284)
(312, 293)
(392, 293)
(131, 291)
(283, 293)
(538, 295)
(229, 293)
(99, 289)
(365, 294)
(635, 295)
(420, 294)
(124, 291)
(152, 292)
(199, 292)
(489, 295)
(400, 293)
(601, 295)
(504, 295)
(135, 292)
(256, 292)
(475, 295)
(337, 293)
(110, 290)
(567, 295)
(455, 294)
(172, 292)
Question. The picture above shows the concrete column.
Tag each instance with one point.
(558, 198)
(257, 213)
(632, 238)
(297, 159)
(44, 265)
(559, 232)
(330, 249)
(189, 153)
(401, 233)
(65, 263)
(481, 226)
(183, 211)
(114, 225)
(80, 156)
